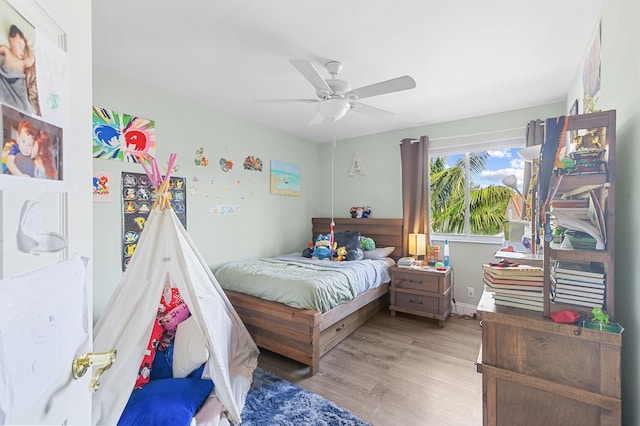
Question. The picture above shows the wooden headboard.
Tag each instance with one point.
(385, 232)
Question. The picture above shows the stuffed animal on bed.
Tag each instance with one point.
(308, 250)
(341, 254)
(367, 243)
(355, 254)
(322, 249)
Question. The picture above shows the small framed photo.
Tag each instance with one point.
(573, 111)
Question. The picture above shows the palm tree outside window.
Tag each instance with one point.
(467, 196)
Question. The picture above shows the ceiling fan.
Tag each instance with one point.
(335, 97)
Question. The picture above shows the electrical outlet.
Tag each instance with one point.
(471, 292)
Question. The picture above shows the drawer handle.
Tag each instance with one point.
(417, 302)
(340, 328)
(416, 281)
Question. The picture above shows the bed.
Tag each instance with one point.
(305, 335)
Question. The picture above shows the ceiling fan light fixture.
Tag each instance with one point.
(332, 109)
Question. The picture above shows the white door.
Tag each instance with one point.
(68, 211)
(48, 306)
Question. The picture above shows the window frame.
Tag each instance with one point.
(465, 149)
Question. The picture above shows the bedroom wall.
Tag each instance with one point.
(266, 224)
(380, 187)
(265, 218)
(620, 90)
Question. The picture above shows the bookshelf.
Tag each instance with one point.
(579, 186)
(537, 371)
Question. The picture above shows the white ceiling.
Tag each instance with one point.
(468, 58)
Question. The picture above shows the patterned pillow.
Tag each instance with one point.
(160, 338)
(144, 372)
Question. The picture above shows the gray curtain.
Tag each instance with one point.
(415, 188)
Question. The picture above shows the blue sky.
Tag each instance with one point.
(502, 163)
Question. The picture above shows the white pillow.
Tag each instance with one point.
(378, 253)
(190, 348)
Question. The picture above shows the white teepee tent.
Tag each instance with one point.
(165, 253)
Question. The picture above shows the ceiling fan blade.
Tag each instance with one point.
(370, 111)
(317, 119)
(389, 86)
(282, 101)
(309, 72)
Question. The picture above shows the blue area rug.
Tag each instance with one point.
(275, 401)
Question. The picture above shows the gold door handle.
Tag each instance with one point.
(102, 359)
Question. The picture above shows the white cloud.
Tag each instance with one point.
(502, 153)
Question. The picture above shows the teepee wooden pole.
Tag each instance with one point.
(162, 196)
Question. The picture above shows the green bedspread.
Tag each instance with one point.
(300, 282)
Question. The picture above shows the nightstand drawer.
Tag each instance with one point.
(416, 281)
(421, 292)
(418, 303)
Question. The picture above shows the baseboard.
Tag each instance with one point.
(464, 309)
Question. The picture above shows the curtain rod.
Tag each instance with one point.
(470, 134)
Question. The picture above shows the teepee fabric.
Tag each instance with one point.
(166, 254)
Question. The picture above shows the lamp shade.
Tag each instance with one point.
(418, 244)
(530, 153)
(332, 109)
(511, 181)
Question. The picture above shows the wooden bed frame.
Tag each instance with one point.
(306, 335)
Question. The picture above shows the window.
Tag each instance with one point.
(468, 198)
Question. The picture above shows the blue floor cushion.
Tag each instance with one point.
(171, 402)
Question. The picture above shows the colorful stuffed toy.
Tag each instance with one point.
(175, 316)
(322, 249)
(367, 243)
(341, 254)
(360, 212)
(308, 250)
(169, 316)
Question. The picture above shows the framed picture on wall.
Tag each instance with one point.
(573, 111)
(591, 69)
(285, 179)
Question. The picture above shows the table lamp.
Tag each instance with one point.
(417, 245)
(512, 182)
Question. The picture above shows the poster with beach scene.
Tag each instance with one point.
(285, 179)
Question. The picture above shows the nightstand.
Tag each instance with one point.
(424, 292)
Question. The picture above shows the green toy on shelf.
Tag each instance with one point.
(600, 316)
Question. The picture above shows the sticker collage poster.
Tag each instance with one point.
(138, 197)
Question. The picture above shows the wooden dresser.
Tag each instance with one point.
(538, 372)
(421, 292)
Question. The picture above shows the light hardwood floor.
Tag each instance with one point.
(401, 370)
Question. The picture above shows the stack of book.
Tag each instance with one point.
(516, 286)
(579, 283)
